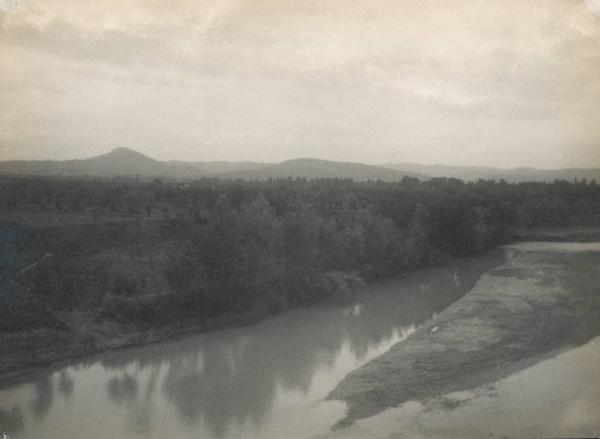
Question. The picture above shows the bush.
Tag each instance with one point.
(148, 309)
(21, 312)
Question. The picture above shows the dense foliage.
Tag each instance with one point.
(239, 247)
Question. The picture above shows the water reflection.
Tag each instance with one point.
(43, 396)
(11, 420)
(234, 380)
(65, 385)
(122, 389)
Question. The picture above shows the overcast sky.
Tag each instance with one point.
(475, 82)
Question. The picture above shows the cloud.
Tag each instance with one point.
(593, 6)
(308, 76)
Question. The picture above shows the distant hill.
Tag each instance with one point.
(126, 162)
(471, 173)
(121, 162)
(314, 168)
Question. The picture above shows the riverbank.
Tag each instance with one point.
(274, 374)
(92, 319)
(35, 350)
(41, 350)
(543, 300)
(24, 355)
(560, 234)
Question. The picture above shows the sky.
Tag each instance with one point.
(502, 83)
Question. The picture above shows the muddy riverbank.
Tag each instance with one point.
(544, 299)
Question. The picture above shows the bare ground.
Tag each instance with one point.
(545, 298)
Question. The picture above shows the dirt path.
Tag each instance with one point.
(545, 298)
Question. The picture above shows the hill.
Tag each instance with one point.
(314, 168)
(126, 162)
(121, 162)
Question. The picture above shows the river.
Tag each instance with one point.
(268, 380)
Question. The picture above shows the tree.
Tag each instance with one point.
(416, 243)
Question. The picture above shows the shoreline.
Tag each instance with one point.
(81, 349)
(94, 340)
(543, 300)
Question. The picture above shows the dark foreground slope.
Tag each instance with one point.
(544, 298)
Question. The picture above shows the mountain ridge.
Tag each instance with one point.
(127, 162)
(123, 161)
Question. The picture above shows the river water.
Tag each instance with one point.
(263, 381)
(557, 398)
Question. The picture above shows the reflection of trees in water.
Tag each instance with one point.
(151, 385)
(122, 389)
(231, 377)
(65, 385)
(11, 421)
(218, 392)
(43, 396)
